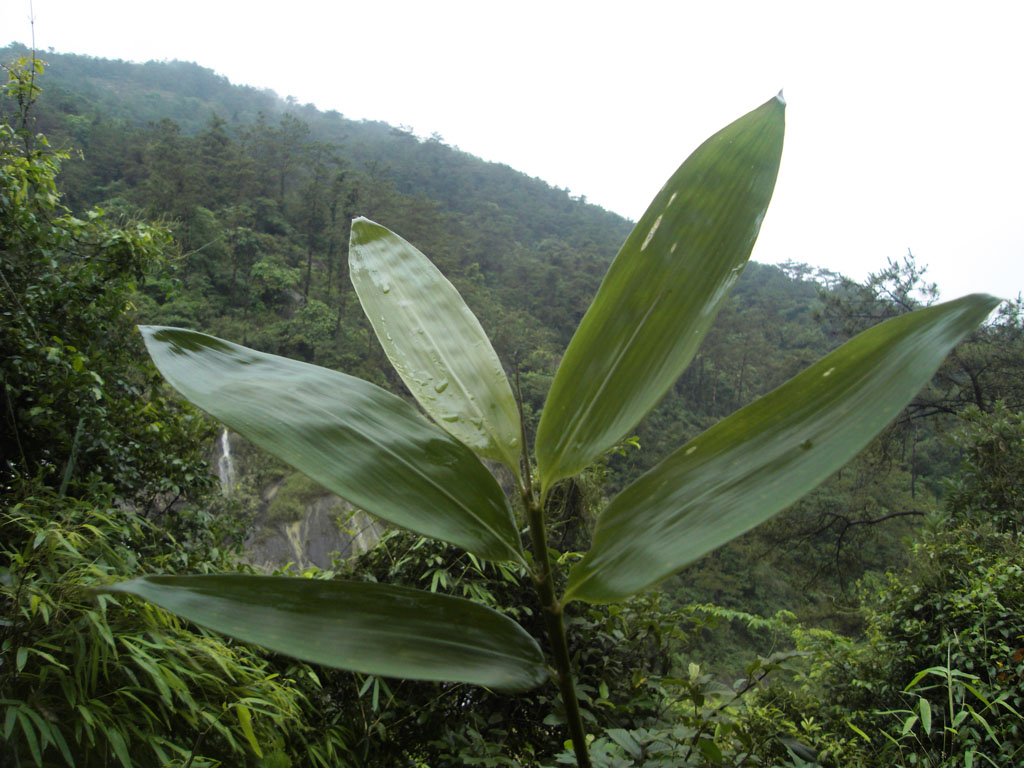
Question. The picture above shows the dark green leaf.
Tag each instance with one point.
(376, 629)
(768, 454)
(435, 342)
(625, 740)
(354, 438)
(710, 750)
(120, 748)
(661, 293)
(30, 734)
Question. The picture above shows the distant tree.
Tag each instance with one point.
(81, 407)
(95, 463)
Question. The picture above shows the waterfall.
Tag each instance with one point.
(226, 465)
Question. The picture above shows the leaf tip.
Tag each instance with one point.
(781, 99)
(364, 230)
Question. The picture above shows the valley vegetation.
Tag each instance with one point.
(875, 623)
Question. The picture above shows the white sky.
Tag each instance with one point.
(904, 127)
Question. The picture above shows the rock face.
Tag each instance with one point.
(327, 528)
(295, 520)
(300, 523)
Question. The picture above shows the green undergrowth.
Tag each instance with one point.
(93, 680)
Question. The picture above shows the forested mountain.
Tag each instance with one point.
(200, 204)
(259, 194)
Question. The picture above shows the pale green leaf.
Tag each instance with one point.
(661, 293)
(908, 725)
(859, 732)
(355, 439)
(768, 454)
(434, 342)
(376, 629)
(245, 722)
(925, 708)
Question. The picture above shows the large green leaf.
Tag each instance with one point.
(768, 454)
(435, 342)
(661, 293)
(376, 629)
(354, 438)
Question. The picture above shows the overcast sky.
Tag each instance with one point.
(904, 127)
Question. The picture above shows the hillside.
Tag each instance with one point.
(166, 195)
(129, 95)
(258, 194)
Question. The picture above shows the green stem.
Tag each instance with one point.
(544, 581)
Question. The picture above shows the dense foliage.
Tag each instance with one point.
(79, 412)
(937, 676)
(98, 469)
(92, 681)
(103, 473)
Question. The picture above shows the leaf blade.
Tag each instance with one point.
(765, 456)
(434, 342)
(661, 293)
(245, 723)
(355, 439)
(375, 629)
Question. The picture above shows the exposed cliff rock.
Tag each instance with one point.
(294, 520)
(323, 529)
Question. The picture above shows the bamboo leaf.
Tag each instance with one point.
(30, 734)
(9, 717)
(435, 342)
(375, 629)
(354, 438)
(768, 454)
(925, 708)
(908, 725)
(661, 293)
(245, 722)
(62, 745)
(116, 741)
(858, 731)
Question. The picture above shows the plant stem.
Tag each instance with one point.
(544, 582)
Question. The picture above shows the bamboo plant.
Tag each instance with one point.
(377, 450)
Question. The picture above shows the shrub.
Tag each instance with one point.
(94, 682)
